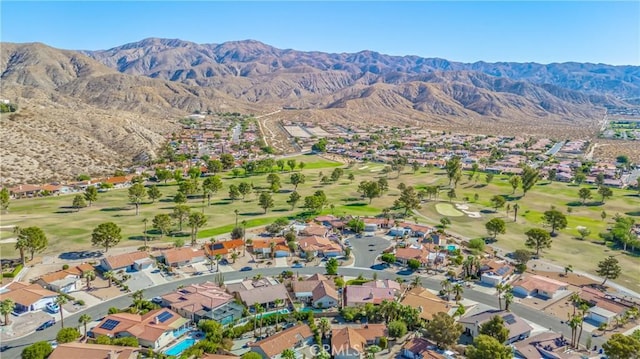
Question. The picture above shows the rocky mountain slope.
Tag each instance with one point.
(91, 111)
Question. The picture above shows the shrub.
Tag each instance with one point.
(13, 273)
(125, 342)
(80, 302)
(103, 339)
(65, 266)
(67, 335)
(113, 310)
(38, 350)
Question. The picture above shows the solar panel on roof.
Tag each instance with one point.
(110, 324)
(509, 319)
(164, 316)
(502, 270)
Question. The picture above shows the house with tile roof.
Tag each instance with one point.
(295, 338)
(539, 286)
(546, 345)
(125, 261)
(319, 246)
(317, 291)
(264, 291)
(263, 247)
(178, 257)
(203, 301)
(27, 297)
(426, 302)
(154, 329)
(360, 295)
(518, 328)
(94, 351)
(66, 280)
(224, 248)
(494, 272)
(422, 348)
(350, 342)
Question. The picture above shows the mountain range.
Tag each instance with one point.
(88, 111)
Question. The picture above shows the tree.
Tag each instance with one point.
(457, 289)
(451, 194)
(106, 235)
(408, 200)
(370, 189)
(413, 264)
(529, 178)
(584, 194)
(477, 244)
(489, 177)
(584, 232)
(296, 179)
(280, 164)
(196, 221)
(244, 188)
(332, 266)
(137, 193)
(89, 276)
(234, 192)
(210, 186)
(91, 194)
(444, 222)
(515, 212)
(5, 199)
(605, 192)
(265, 201)
(294, 197)
(153, 193)
(515, 181)
(453, 168)
(608, 268)
(555, 219)
(37, 350)
(78, 202)
(214, 166)
(320, 146)
(32, 240)
(162, 222)
(180, 198)
(61, 300)
(397, 329)
(6, 307)
(108, 275)
(227, 161)
(485, 347)
(621, 346)
(67, 335)
(251, 355)
(288, 353)
(508, 299)
(181, 214)
(496, 226)
(336, 174)
(351, 177)
(443, 330)
(356, 225)
(538, 239)
(579, 178)
(292, 164)
(388, 258)
(496, 329)
(497, 201)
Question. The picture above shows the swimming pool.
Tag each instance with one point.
(181, 346)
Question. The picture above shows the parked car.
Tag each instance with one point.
(53, 308)
(156, 300)
(245, 269)
(47, 324)
(197, 273)
(297, 265)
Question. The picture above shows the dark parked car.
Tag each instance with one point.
(245, 269)
(47, 324)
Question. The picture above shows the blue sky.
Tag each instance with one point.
(559, 31)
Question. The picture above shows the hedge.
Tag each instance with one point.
(13, 273)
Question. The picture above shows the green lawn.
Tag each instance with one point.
(69, 230)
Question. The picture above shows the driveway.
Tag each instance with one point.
(139, 280)
(367, 249)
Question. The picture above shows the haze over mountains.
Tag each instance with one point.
(101, 108)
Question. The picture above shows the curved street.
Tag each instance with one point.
(99, 311)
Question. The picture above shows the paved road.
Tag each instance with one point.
(366, 249)
(237, 131)
(101, 309)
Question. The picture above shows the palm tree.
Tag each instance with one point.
(272, 247)
(458, 289)
(508, 299)
(324, 326)
(89, 275)
(259, 310)
(137, 298)
(60, 301)
(567, 269)
(210, 261)
(218, 259)
(6, 307)
(499, 291)
(584, 308)
(22, 245)
(145, 221)
(84, 320)
(446, 287)
(244, 237)
(278, 302)
(108, 275)
(234, 256)
(575, 300)
(415, 282)
(288, 354)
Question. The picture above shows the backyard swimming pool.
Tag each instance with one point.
(183, 345)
